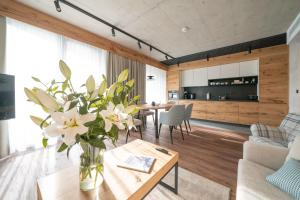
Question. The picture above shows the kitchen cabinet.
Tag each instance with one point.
(200, 77)
(231, 70)
(195, 77)
(249, 68)
(187, 78)
(248, 112)
(213, 72)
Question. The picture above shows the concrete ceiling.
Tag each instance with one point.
(212, 23)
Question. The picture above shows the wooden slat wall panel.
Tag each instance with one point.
(21, 12)
(272, 114)
(274, 78)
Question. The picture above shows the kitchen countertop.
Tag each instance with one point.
(245, 100)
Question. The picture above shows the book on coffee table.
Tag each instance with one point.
(138, 163)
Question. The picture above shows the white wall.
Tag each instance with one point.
(294, 74)
(4, 144)
(156, 88)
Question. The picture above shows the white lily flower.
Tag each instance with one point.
(114, 115)
(69, 124)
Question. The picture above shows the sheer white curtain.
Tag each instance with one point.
(35, 52)
(156, 88)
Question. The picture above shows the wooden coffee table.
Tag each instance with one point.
(119, 183)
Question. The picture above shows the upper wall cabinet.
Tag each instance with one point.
(187, 78)
(231, 70)
(200, 77)
(195, 77)
(213, 72)
(249, 68)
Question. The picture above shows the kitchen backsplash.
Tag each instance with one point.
(239, 92)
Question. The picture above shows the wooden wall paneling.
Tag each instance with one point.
(237, 57)
(248, 113)
(274, 78)
(21, 12)
(173, 80)
(271, 113)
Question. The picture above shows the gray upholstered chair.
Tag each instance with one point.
(172, 118)
(187, 117)
(138, 123)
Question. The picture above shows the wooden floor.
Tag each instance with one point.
(211, 153)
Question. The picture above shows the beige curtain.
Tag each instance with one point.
(137, 71)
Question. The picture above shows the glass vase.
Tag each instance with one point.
(91, 167)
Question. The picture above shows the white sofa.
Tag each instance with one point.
(259, 161)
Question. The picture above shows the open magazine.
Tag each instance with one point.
(138, 163)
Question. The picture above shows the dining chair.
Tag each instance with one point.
(144, 114)
(187, 116)
(172, 118)
(137, 123)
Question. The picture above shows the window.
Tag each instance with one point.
(31, 51)
(156, 88)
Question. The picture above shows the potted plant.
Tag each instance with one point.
(87, 118)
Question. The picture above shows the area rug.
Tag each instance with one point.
(190, 187)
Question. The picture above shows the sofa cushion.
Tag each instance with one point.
(276, 134)
(252, 184)
(263, 140)
(294, 150)
(287, 178)
(291, 123)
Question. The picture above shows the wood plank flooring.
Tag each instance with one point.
(211, 153)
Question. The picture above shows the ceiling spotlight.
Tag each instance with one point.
(166, 57)
(150, 48)
(57, 6)
(140, 46)
(113, 33)
(185, 29)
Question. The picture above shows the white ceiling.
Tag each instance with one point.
(213, 23)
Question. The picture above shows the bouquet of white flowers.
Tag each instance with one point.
(87, 118)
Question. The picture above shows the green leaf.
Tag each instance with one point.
(36, 79)
(123, 75)
(31, 96)
(134, 99)
(130, 83)
(73, 104)
(90, 84)
(45, 142)
(62, 147)
(119, 89)
(97, 143)
(65, 70)
(39, 121)
(102, 88)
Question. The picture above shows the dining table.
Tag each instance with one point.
(155, 108)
